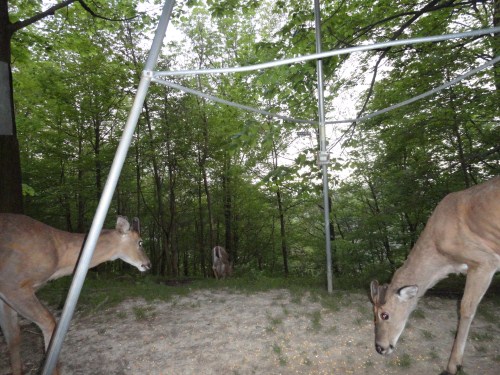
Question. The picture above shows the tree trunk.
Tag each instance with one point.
(226, 187)
(201, 235)
(202, 159)
(284, 249)
(97, 161)
(80, 219)
(174, 254)
(496, 47)
(11, 196)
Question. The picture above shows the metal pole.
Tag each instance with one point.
(107, 195)
(323, 158)
(338, 52)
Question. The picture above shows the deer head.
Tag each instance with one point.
(130, 249)
(391, 308)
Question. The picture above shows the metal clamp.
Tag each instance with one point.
(323, 158)
(147, 74)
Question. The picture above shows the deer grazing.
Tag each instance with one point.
(220, 263)
(32, 253)
(461, 236)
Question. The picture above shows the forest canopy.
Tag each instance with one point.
(200, 173)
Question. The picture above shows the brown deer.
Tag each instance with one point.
(32, 253)
(461, 236)
(221, 266)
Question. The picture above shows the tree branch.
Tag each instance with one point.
(37, 17)
(93, 14)
(432, 6)
(51, 11)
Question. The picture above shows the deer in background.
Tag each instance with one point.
(32, 253)
(220, 263)
(461, 236)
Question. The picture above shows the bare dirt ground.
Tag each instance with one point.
(275, 332)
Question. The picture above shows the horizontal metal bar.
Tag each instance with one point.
(421, 96)
(329, 122)
(428, 39)
(229, 103)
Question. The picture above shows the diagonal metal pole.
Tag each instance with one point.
(323, 158)
(109, 189)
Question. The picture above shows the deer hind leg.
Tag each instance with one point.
(12, 333)
(476, 285)
(27, 304)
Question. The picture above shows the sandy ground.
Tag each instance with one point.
(222, 332)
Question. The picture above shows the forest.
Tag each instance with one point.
(200, 173)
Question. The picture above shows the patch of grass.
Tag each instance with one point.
(359, 321)
(404, 361)
(364, 309)
(144, 312)
(274, 322)
(140, 313)
(314, 296)
(285, 311)
(296, 298)
(368, 364)
(477, 336)
(102, 292)
(428, 335)
(486, 313)
(278, 351)
(316, 320)
(418, 314)
(433, 355)
(482, 349)
(331, 303)
(332, 330)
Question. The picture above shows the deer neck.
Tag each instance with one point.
(69, 246)
(424, 267)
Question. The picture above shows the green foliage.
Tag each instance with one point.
(200, 173)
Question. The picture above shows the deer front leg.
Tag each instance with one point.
(476, 285)
(12, 333)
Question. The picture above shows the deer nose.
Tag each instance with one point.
(381, 350)
(146, 266)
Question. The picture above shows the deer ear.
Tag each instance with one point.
(136, 225)
(374, 291)
(407, 292)
(122, 224)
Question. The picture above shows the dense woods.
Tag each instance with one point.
(201, 173)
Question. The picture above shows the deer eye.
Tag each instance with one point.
(141, 243)
(384, 316)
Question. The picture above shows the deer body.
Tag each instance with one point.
(220, 263)
(32, 253)
(461, 236)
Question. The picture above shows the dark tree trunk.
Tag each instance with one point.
(226, 186)
(11, 197)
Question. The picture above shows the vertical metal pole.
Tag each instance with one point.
(107, 195)
(323, 153)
